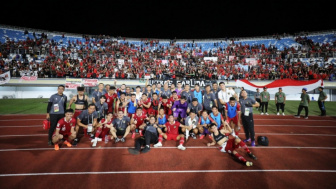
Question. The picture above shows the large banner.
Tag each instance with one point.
(251, 61)
(191, 82)
(72, 83)
(29, 78)
(214, 59)
(4, 78)
(288, 86)
(90, 82)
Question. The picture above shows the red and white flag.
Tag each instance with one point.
(4, 78)
(288, 86)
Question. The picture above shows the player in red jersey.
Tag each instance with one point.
(137, 120)
(111, 98)
(232, 114)
(229, 143)
(153, 111)
(172, 133)
(103, 129)
(166, 104)
(145, 103)
(65, 130)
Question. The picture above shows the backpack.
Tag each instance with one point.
(262, 140)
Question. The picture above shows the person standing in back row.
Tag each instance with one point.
(304, 103)
(265, 97)
(321, 101)
(280, 100)
(257, 97)
(55, 110)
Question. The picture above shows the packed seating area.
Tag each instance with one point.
(26, 52)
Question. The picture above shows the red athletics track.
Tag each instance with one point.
(301, 154)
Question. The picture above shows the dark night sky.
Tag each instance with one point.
(181, 19)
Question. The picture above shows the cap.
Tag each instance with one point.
(304, 88)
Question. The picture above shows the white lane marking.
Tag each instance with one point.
(18, 119)
(169, 172)
(20, 126)
(289, 134)
(302, 120)
(167, 147)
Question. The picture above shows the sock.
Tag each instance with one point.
(98, 132)
(181, 140)
(237, 133)
(244, 146)
(140, 132)
(85, 132)
(160, 138)
(147, 146)
(240, 158)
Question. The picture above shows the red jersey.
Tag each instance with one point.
(172, 99)
(64, 126)
(165, 106)
(110, 100)
(173, 128)
(146, 103)
(140, 119)
(108, 123)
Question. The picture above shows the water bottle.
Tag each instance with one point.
(106, 139)
(211, 104)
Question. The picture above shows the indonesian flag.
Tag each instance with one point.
(288, 86)
(4, 78)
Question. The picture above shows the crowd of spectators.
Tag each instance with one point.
(99, 57)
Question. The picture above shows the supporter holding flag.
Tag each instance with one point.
(280, 101)
(265, 97)
(304, 103)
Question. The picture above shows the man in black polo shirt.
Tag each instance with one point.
(55, 110)
(246, 117)
(150, 137)
(120, 127)
(88, 120)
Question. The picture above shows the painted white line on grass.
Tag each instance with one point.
(169, 172)
(167, 147)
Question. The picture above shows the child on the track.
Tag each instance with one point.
(229, 143)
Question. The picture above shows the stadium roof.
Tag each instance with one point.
(181, 19)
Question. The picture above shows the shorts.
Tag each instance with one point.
(77, 113)
(230, 146)
(172, 137)
(234, 120)
(152, 112)
(120, 132)
(104, 132)
(65, 135)
(180, 112)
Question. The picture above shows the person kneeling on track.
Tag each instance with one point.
(172, 133)
(229, 143)
(65, 130)
(150, 136)
(103, 129)
(120, 127)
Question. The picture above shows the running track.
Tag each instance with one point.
(302, 154)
